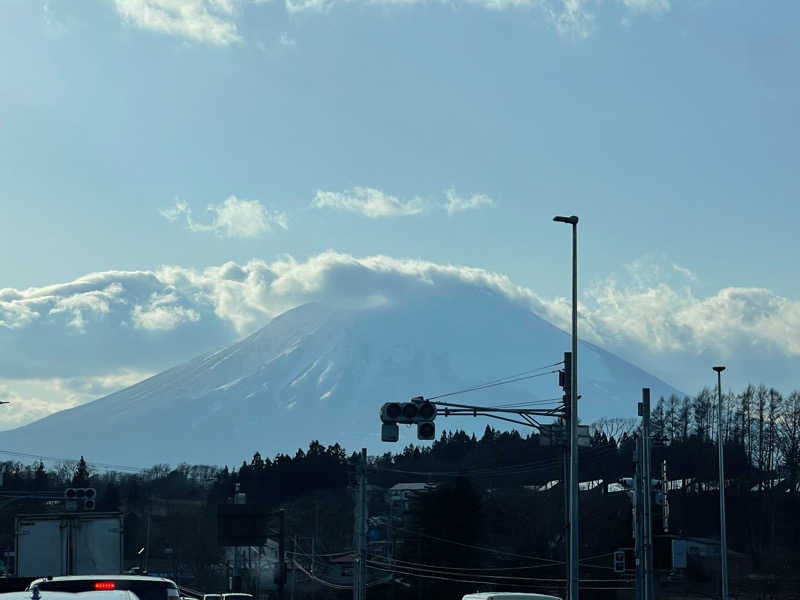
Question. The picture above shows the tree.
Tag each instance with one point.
(81, 476)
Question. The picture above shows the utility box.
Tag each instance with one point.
(69, 544)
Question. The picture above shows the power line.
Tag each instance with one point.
(484, 569)
(490, 385)
(483, 548)
(107, 466)
(555, 584)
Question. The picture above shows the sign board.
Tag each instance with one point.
(242, 525)
(679, 550)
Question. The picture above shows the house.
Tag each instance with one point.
(400, 495)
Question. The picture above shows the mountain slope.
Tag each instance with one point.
(319, 372)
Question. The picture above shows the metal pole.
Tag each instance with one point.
(362, 566)
(282, 553)
(637, 517)
(723, 551)
(573, 423)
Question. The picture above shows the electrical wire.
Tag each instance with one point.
(557, 584)
(484, 569)
(490, 385)
(483, 548)
(75, 460)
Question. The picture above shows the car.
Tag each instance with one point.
(36, 594)
(508, 596)
(230, 596)
(145, 588)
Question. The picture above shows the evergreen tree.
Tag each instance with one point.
(81, 476)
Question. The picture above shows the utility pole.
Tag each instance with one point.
(282, 554)
(565, 381)
(360, 531)
(294, 570)
(665, 488)
(648, 496)
(573, 429)
(723, 541)
(637, 517)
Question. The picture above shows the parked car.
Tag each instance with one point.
(50, 595)
(145, 588)
(508, 596)
(229, 596)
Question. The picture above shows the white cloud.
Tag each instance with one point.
(148, 320)
(162, 313)
(206, 21)
(570, 18)
(286, 40)
(455, 203)
(368, 202)
(32, 399)
(234, 218)
(647, 6)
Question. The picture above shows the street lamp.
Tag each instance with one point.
(723, 542)
(573, 419)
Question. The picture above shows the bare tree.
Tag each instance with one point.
(789, 437)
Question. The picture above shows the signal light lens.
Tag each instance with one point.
(410, 410)
(393, 410)
(427, 410)
(426, 431)
(81, 492)
(70, 493)
(104, 585)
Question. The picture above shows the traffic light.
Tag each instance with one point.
(418, 411)
(619, 561)
(565, 375)
(80, 498)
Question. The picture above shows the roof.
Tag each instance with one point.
(98, 577)
(508, 596)
(411, 487)
(94, 595)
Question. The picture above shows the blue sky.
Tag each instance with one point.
(139, 134)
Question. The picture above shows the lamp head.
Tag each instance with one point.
(718, 369)
(573, 220)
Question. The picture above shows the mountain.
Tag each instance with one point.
(322, 372)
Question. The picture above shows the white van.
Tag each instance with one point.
(508, 596)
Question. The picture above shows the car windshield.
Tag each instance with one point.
(145, 590)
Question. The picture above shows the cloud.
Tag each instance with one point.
(146, 321)
(32, 399)
(455, 203)
(647, 6)
(205, 21)
(234, 218)
(367, 202)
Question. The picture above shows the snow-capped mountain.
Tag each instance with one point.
(322, 372)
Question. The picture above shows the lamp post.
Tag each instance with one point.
(573, 419)
(723, 542)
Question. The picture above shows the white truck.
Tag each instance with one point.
(68, 544)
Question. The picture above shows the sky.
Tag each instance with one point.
(175, 173)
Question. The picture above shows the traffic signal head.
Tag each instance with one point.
(80, 498)
(426, 431)
(390, 412)
(418, 411)
(390, 432)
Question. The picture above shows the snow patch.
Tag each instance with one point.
(304, 374)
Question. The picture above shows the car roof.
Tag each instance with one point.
(503, 595)
(95, 595)
(100, 577)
